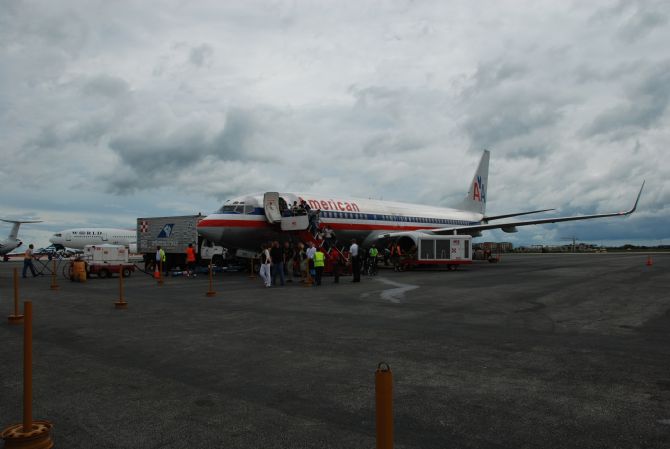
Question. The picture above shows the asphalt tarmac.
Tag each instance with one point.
(537, 351)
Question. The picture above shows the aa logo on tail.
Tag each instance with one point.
(479, 190)
(166, 232)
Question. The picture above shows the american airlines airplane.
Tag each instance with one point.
(80, 237)
(248, 221)
(12, 242)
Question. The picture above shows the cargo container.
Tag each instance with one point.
(174, 234)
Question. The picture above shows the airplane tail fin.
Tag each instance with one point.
(13, 234)
(475, 201)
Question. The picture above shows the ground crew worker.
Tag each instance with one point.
(28, 257)
(396, 253)
(372, 260)
(190, 261)
(160, 258)
(319, 264)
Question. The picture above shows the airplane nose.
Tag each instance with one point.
(212, 234)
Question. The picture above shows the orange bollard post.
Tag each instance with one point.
(650, 262)
(54, 284)
(252, 275)
(121, 303)
(17, 318)
(211, 291)
(31, 434)
(384, 406)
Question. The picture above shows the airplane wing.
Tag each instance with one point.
(498, 217)
(19, 221)
(511, 226)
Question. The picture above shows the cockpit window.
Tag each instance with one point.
(236, 207)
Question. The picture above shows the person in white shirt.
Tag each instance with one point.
(310, 261)
(266, 264)
(355, 261)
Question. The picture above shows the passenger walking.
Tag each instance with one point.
(305, 206)
(302, 262)
(190, 261)
(327, 237)
(319, 265)
(28, 257)
(288, 261)
(310, 261)
(336, 262)
(266, 264)
(277, 255)
(355, 261)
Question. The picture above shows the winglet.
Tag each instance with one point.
(636, 200)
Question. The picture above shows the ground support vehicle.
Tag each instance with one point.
(102, 261)
(173, 235)
(107, 270)
(488, 251)
(438, 250)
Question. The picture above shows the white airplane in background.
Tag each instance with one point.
(80, 237)
(12, 242)
(248, 221)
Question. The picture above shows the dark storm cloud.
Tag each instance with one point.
(396, 121)
(635, 18)
(153, 154)
(200, 55)
(105, 85)
(505, 108)
(59, 135)
(645, 105)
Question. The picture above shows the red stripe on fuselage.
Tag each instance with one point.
(213, 223)
(233, 224)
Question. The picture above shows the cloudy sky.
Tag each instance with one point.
(115, 110)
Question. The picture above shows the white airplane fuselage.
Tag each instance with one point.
(12, 241)
(80, 237)
(241, 222)
(251, 220)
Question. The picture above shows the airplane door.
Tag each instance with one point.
(271, 206)
(104, 237)
(68, 236)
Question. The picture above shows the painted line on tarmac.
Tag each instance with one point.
(395, 294)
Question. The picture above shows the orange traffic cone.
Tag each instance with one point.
(649, 261)
(157, 274)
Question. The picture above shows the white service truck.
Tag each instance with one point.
(104, 260)
(173, 235)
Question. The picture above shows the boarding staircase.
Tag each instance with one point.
(297, 225)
